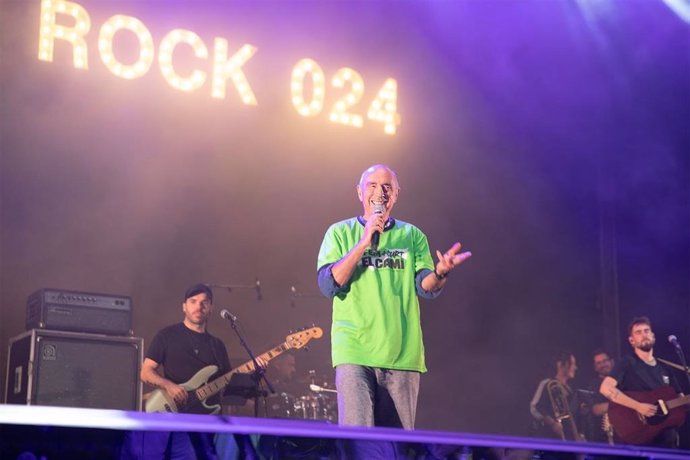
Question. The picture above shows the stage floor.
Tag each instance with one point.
(41, 429)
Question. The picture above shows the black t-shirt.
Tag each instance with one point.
(183, 352)
(633, 374)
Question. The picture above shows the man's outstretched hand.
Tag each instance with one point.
(451, 259)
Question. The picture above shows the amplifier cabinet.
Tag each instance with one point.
(55, 368)
(64, 310)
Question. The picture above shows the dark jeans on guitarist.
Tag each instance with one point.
(668, 438)
(166, 445)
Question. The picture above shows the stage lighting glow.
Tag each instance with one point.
(105, 46)
(165, 55)
(339, 114)
(299, 73)
(51, 30)
(681, 8)
(224, 68)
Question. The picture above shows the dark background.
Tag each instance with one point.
(550, 137)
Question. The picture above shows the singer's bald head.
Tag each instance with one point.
(373, 169)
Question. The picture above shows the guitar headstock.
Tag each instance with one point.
(301, 338)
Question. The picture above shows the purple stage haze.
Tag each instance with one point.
(550, 137)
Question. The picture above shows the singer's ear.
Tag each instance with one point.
(359, 192)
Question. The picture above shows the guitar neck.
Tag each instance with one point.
(218, 384)
(680, 401)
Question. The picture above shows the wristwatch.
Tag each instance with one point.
(439, 276)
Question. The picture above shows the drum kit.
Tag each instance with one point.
(318, 403)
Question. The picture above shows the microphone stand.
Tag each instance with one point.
(247, 450)
(259, 372)
(681, 357)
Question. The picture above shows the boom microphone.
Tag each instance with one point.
(227, 315)
(258, 290)
(673, 340)
(378, 209)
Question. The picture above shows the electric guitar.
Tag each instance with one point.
(199, 389)
(632, 428)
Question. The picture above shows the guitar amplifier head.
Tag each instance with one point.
(63, 310)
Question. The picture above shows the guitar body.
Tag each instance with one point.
(159, 401)
(632, 428)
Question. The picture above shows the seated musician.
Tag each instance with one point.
(641, 372)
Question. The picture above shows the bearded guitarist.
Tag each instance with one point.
(176, 353)
(635, 386)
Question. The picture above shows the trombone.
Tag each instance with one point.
(558, 394)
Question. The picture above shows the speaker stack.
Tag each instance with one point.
(78, 351)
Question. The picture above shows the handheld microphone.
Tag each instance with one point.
(227, 315)
(378, 209)
(673, 340)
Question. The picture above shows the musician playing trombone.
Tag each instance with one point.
(641, 372)
(555, 405)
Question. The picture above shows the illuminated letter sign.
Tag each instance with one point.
(168, 44)
(224, 68)
(347, 82)
(105, 46)
(339, 113)
(50, 30)
(299, 73)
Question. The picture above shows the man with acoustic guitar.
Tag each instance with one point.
(642, 392)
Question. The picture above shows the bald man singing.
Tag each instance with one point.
(374, 267)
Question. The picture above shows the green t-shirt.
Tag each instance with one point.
(376, 316)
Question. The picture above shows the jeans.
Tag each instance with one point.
(371, 396)
(163, 445)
